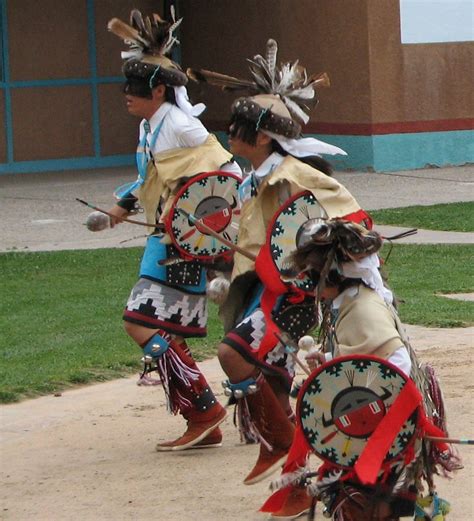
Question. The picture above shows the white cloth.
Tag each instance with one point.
(306, 146)
(232, 167)
(266, 168)
(367, 269)
(182, 100)
(178, 130)
(400, 359)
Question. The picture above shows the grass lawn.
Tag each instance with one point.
(61, 311)
(454, 217)
(419, 273)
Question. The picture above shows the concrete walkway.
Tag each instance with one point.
(39, 211)
(426, 236)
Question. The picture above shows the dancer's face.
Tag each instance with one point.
(250, 151)
(239, 147)
(145, 107)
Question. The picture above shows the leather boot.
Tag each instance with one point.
(274, 427)
(297, 503)
(200, 427)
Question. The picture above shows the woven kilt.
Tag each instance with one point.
(156, 305)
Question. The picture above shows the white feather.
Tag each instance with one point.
(295, 109)
(290, 478)
(172, 40)
(272, 50)
(304, 93)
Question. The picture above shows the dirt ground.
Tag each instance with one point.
(89, 454)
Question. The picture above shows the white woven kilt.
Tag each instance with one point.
(155, 305)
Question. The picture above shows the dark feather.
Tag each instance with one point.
(221, 80)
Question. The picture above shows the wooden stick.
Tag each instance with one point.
(219, 237)
(293, 354)
(298, 361)
(131, 221)
(459, 441)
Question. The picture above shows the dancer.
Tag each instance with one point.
(360, 320)
(265, 129)
(168, 303)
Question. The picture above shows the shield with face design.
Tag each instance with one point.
(289, 230)
(342, 403)
(209, 199)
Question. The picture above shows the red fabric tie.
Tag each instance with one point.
(273, 288)
(371, 460)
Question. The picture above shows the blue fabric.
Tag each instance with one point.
(156, 346)
(150, 267)
(142, 159)
(155, 251)
(245, 189)
(242, 386)
(254, 301)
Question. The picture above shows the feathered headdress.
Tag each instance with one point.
(285, 90)
(348, 241)
(150, 39)
(341, 246)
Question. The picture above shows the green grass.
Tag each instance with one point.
(61, 312)
(61, 320)
(455, 217)
(420, 273)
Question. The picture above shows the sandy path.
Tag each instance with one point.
(89, 454)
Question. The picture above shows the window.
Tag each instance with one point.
(430, 21)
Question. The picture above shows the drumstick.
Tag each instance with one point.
(293, 354)
(219, 237)
(460, 441)
(131, 221)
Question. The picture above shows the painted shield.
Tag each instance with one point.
(288, 231)
(343, 401)
(210, 198)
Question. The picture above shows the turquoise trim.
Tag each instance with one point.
(156, 346)
(13, 167)
(6, 77)
(360, 151)
(91, 40)
(410, 151)
(77, 163)
(393, 152)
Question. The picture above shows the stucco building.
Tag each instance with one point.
(393, 103)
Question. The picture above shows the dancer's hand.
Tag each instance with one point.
(118, 213)
(315, 359)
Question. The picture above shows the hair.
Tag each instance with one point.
(246, 130)
(169, 95)
(137, 87)
(335, 279)
(243, 129)
(140, 87)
